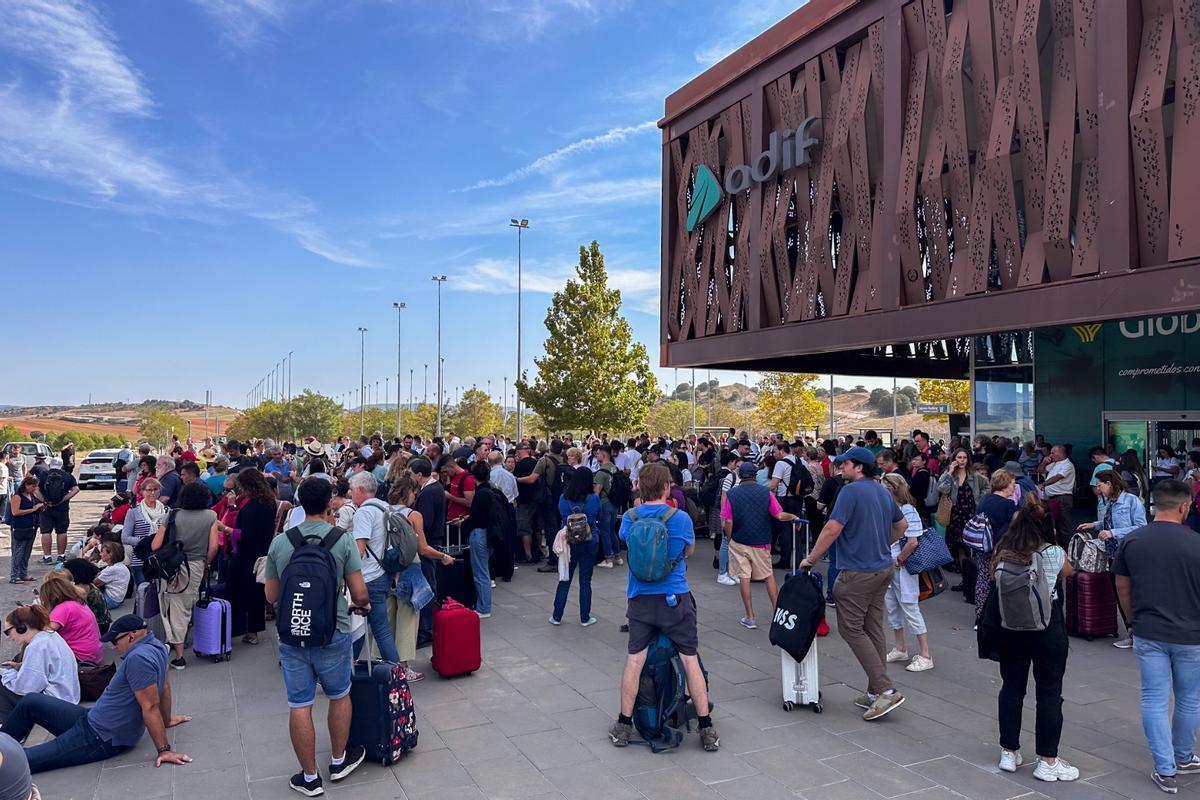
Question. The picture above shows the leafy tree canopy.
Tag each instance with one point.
(787, 402)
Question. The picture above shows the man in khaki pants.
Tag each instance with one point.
(864, 523)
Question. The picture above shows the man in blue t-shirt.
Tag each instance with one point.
(864, 523)
(137, 699)
(664, 606)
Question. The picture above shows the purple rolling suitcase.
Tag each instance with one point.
(212, 627)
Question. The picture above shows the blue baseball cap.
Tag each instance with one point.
(860, 454)
(747, 469)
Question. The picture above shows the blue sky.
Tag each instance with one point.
(192, 188)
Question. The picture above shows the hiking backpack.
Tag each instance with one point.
(648, 542)
(399, 541)
(54, 488)
(1024, 597)
(977, 534)
(662, 710)
(577, 527)
(620, 493)
(308, 591)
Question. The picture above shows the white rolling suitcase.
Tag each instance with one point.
(801, 680)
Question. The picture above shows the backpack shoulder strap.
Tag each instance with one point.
(295, 537)
(633, 514)
(670, 513)
(332, 537)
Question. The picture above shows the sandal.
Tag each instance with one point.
(248, 639)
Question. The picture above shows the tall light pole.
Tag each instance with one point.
(439, 280)
(289, 382)
(399, 414)
(504, 406)
(410, 386)
(362, 380)
(520, 225)
(425, 396)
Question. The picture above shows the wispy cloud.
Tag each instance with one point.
(242, 21)
(639, 287)
(743, 20)
(547, 162)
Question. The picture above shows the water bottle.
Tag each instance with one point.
(672, 600)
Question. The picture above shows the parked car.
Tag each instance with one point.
(96, 469)
(30, 451)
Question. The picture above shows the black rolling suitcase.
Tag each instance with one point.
(383, 719)
(456, 580)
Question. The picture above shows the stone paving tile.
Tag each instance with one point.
(531, 723)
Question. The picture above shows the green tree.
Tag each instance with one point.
(422, 420)
(157, 426)
(672, 417)
(956, 394)
(267, 420)
(476, 414)
(373, 419)
(593, 376)
(313, 414)
(787, 402)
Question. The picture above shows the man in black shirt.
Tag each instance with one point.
(529, 493)
(1158, 583)
(431, 505)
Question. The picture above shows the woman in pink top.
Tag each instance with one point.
(73, 620)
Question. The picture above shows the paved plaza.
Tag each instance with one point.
(531, 723)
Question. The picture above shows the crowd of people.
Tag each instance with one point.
(239, 509)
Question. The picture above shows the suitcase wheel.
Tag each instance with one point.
(216, 659)
(817, 708)
(788, 705)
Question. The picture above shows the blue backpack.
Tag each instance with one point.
(662, 711)
(648, 542)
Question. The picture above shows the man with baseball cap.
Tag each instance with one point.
(138, 699)
(864, 523)
(746, 515)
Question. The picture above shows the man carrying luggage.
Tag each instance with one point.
(864, 523)
(330, 664)
(665, 606)
(1158, 571)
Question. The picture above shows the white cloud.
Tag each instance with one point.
(242, 20)
(69, 38)
(744, 19)
(613, 136)
(639, 287)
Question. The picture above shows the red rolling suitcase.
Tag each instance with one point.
(1091, 605)
(456, 648)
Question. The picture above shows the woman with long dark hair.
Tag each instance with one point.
(579, 498)
(1045, 651)
(256, 522)
(963, 486)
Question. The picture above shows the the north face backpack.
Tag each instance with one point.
(648, 541)
(1023, 594)
(308, 591)
(577, 527)
(662, 710)
(54, 489)
(620, 494)
(399, 541)
(977, 534)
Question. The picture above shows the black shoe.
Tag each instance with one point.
(178, 663)
(354, 756)
(548, 568)
(314, 788)
(424, 642)
(958, 587)
(625, 628)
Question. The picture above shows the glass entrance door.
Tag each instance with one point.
(1128, 434)
(1178, 434)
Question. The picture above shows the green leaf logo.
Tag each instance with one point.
(706, 196)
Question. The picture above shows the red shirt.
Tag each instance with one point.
(119, 513)
(459, 485)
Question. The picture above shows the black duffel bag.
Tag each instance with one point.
(799, 609)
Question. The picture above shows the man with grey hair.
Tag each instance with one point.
(501, 478)
(369, 528)
(282, 470)
(164, 470)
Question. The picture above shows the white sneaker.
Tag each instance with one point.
(896, 655)
(605, 564)
(919, 664)
(493, 584)
(1058, 771)
(1010, 760)
(725, 580)
(488, 615)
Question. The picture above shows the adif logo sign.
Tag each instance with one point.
(785, 151)
(1160, 326)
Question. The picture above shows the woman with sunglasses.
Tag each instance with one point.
(45, 664)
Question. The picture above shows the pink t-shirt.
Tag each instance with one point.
(79, 629)
(727, 514)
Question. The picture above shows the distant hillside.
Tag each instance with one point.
(121, 419)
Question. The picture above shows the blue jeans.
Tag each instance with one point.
(480, 554)
(74, 740)
(303, 667)
(19, 567)
(723, 556)
(1165, 666)
(137, 576)
(831, 573)
(583, 557)
(377, 592)
(425, 623)
(609, 545)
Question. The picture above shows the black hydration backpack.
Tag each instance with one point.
(308, 591)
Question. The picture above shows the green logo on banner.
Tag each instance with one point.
(706, 196)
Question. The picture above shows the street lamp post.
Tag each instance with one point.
(521, 225)
(362, 381)
(289, 381)
(399, 414)
(439, 280)
(425, 396)
(410, 386)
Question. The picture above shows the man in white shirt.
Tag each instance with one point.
(781, 476)
(370, 534)
(1059, 488)
(627, 461)
(501, 478)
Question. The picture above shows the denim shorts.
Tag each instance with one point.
(303, 667)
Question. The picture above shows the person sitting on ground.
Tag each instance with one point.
(15, 780)
(746, 514)
(138, 699)
(83, 574)
(650, 610)
(901, 600)
(63, 601)
(114, 577)
(142, 521)
(45, 664)
(578, 497)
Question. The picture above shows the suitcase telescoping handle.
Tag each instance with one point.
(800, 522)
(367, 635)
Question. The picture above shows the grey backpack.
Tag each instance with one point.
(1023, 594)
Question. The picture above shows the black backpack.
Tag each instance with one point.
(710, 490)
(54, 488)
(308, 591)
(800, 483)
(799, 609)
(166, 562)
(555, 487)
(620, 493)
